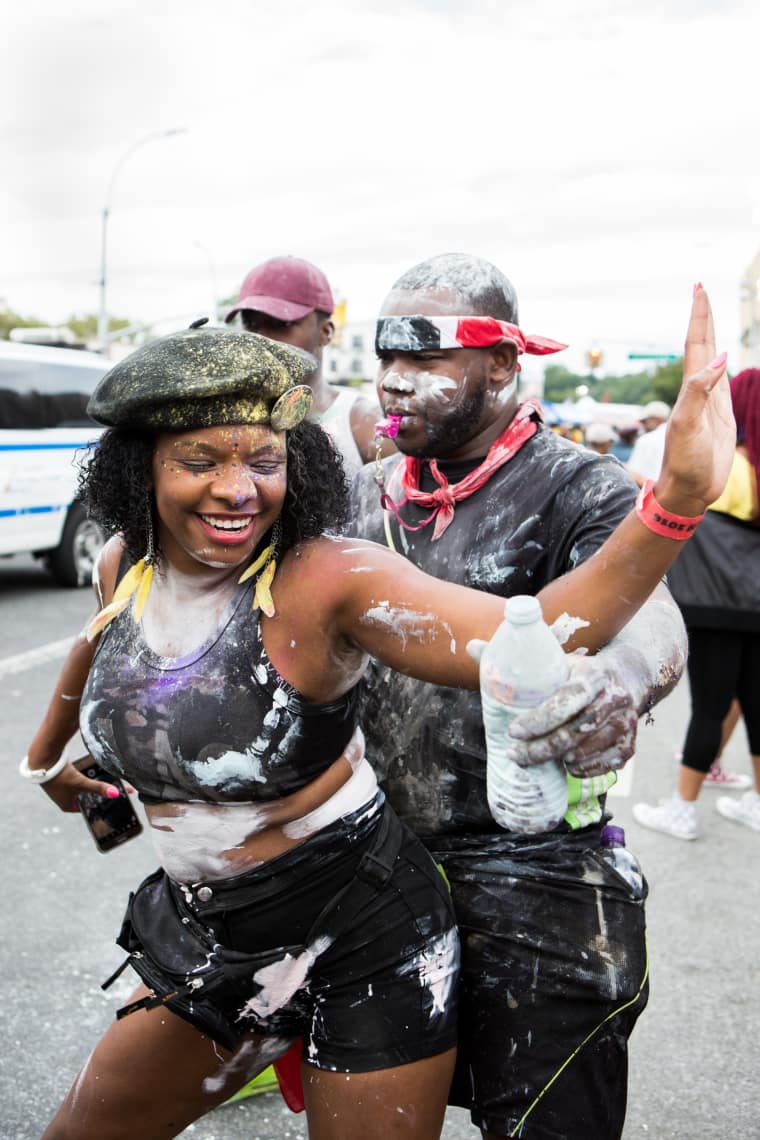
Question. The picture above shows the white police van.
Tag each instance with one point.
(44, 434)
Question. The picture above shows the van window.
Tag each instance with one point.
(35, 394)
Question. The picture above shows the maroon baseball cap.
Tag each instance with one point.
(286, 288)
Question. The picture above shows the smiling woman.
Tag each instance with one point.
(217, 491)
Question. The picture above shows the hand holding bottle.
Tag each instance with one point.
(520, 667)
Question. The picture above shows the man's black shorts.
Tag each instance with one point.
(554, 976)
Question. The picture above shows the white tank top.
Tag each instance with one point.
(337, 423)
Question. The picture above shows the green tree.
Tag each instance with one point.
(10, 320)
(560, 383)
(629, 388)
(85, 325)
(666, 382)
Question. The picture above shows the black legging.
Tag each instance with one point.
(723, 664)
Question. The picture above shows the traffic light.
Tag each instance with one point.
(594, 357)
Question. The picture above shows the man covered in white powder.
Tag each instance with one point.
(554, 971)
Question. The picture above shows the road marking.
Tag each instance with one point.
(40, 656)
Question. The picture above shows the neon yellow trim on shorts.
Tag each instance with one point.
(585, 1041)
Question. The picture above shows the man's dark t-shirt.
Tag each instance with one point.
(543, 513)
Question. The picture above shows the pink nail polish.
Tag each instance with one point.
(696, 288)
(113, 793)
(718, 362)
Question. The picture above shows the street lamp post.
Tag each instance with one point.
(103, 309)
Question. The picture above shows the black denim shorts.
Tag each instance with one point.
(377, 992)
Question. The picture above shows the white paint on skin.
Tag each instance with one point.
(281, 980)
(358, 790)
(97, 584)
(406, 623)
(354, 750)
(425, 386)
(505, 394)
(566, 626)
(193, 841)
(76, 1090)
(248, 1060)
(184, 611)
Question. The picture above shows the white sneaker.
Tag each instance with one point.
(745, 810)
(672, 817)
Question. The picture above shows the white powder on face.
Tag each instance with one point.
(425, 386)
(505, 394)
(281, 980)
(400, 381)
(566, 626)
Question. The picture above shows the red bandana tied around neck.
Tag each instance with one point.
(444, 499)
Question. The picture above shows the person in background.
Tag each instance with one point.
(623, 445)
(717, 585)
(289, 300)
(599, 438)
(554, 959)
(643, 463)
(645, 459)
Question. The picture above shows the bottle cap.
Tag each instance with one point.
(523, 609)
(613, 836)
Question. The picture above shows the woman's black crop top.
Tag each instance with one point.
(219, 724)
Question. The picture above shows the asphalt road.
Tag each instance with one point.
(694, 1055)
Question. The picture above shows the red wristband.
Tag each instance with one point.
(660, 521)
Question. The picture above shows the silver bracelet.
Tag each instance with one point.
(42, 775)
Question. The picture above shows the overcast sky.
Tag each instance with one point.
(605, 155)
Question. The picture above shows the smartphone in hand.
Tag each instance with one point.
(111, 822)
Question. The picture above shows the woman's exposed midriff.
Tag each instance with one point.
(199, 841)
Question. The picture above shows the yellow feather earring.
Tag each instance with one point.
(262, 595)
(136, 580)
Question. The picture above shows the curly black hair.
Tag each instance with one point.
(114, 485)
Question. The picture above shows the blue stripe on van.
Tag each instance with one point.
(33, 511)
(45, 446)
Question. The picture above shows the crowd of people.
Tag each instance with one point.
(279, 665)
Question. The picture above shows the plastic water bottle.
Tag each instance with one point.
(615, 852)
(520, 667)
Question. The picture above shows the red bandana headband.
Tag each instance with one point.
(421, 334)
